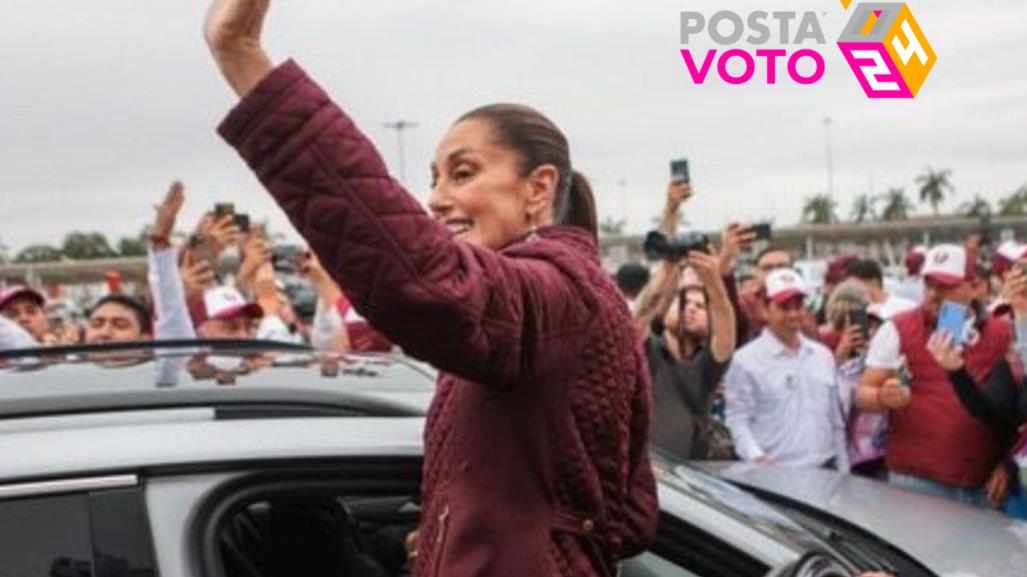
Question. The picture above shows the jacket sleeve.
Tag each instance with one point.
(458, 307)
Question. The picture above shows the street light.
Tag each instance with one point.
(830, 163)
(400, 126)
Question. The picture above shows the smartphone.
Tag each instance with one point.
(242, 222)
(223, 209)
(860, 318)
(761, 231)
(679, 170)
(903, 374)
(952, 320)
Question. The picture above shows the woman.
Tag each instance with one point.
(535, 446)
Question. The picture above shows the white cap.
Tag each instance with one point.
(224, 303)
(946, 264)
(785, 284)
(1011, 250)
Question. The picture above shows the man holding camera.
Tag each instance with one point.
(782, 388)
(691, 345)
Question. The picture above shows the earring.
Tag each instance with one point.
(533, 232)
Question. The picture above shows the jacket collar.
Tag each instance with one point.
(573, 236)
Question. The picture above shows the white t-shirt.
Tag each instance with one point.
(894, 305)
(885, 351)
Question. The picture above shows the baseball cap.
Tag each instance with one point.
(1007, 254)
(947, 264)
(19, 291)
(838, 268)
(915, 261)
(226, 303)
(784, 284)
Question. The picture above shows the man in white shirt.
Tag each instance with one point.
(782, 391)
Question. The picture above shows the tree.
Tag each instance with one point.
(87, 245)
(934, 187)
(897, 205)
(135, 245)
(977, 208)
(864, 209)
(819, 209)
(1015, 204)
(38, 253)
(612, 227)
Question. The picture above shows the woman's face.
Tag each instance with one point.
(478, 192)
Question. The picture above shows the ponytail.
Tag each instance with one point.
(580, 206)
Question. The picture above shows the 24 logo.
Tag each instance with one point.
(886, 49)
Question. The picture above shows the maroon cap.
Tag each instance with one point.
(20, 291)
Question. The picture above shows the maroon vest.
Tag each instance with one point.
(934, 437)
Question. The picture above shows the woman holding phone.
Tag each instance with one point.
(535, 445)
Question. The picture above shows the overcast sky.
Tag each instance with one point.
(104, 102)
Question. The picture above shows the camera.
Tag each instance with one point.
(658, 247)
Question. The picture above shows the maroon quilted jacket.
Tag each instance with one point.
(535, 445)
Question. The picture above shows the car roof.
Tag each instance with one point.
(177, 439)
(204, 373)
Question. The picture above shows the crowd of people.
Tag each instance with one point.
(223, 281)
(861, 374)
(551, 383)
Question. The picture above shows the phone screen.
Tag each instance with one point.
(952, 320)
(679, 170)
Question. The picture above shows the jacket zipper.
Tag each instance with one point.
(440, 540)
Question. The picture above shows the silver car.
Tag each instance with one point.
(249, 459)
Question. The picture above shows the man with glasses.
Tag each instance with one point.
(782, 390)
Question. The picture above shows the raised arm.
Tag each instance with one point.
(173, 321)
(461, 308)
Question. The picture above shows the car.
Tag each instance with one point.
(259, 459)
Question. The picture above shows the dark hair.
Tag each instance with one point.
(770, 249)
(539, 142)
(139, 310)
(631, 279)
(866, 270)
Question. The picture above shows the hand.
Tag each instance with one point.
(1014, 290)
(945, 351)
(764, 460)
(197, 277)
(893, 396)
(707, 267)
(997, 487)
(233, 32)
(266, 290)
(167, 212)
(313, 270)
(852, 340)
(222, 231)
(678, 192)
(734, 238)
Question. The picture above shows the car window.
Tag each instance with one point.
(652, 565)
(100, 534)
(46, 536)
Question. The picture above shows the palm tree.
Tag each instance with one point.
(934, 187)
(1015, 204)
(612, 227)
(819, 209)
(977, 208)
(897, 205)
(864, 209)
